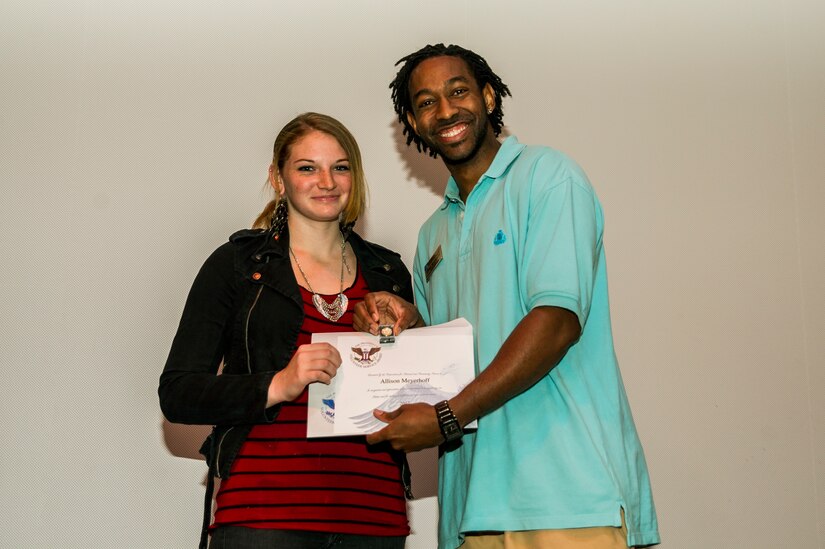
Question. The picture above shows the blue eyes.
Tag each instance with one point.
(309, 169)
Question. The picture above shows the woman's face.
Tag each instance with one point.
(316, 178)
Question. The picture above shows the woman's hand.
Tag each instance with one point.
(310, 363)
(385, 308)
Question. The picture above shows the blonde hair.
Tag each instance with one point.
(297, 128)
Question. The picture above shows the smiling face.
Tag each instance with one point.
(315, 178)
(449, 110)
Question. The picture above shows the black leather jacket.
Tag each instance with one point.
(245, 310)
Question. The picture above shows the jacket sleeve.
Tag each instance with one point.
(405, 280)
(190, 390)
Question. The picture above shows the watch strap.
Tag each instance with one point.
(447, 422)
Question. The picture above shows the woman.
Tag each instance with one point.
(253, 308)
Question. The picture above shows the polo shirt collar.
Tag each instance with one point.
(509, 151)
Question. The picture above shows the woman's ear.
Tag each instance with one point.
(275, 180)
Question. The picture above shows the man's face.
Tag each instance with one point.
(449, 110)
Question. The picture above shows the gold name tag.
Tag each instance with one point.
(433, 263)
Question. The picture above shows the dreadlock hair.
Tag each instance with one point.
(402, 102)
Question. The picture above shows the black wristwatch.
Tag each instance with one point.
(447, 422)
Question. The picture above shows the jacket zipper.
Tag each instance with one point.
(404, 483)
(249, 369)
(246, 330)
(218, 454)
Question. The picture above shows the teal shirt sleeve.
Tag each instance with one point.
(419, 280)
(563, 239)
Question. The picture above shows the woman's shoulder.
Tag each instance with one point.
(253, 243)
(246, 235)
(379, 259)
(239, 246)
(362, 245)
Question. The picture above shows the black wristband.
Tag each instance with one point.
(447, 422)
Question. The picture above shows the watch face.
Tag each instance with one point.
(451, 432)
(447, 422)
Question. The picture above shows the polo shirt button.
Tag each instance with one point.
(387, 267)
(256, 276)
(396, 288)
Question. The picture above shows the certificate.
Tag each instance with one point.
(427, 364)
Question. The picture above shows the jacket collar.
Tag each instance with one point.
(272, 249)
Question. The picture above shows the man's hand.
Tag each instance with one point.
(410, 428)
(385, 308)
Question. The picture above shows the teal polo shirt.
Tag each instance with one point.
(565, 453)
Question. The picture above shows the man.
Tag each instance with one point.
(516, 249)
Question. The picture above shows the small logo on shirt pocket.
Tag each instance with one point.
(500, 238)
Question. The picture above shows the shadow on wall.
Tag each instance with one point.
(184, 440)
(424, 469)
(428, 172)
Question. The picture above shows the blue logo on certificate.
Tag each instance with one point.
(328, 408)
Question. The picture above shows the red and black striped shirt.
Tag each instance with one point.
(282, 480)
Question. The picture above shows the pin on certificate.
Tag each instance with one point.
(427, 364)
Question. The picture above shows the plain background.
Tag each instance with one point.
(135, 137)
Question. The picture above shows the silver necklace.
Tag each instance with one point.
(331, 311)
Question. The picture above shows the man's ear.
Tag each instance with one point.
(411, 122)
(489, 97)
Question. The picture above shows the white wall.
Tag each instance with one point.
(135, 136)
